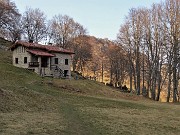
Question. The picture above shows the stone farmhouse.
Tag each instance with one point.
(45, 60)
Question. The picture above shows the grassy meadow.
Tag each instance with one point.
(30, 105)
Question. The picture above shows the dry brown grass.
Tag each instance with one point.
(76, 107)
(129, 121)
(92, 88)
(31, 123)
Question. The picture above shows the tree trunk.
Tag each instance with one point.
(159, 86)
(102, 72)
(169, 82)
(131, 77)
(111, 73)
(138, 77)
(153, 89)
(175, 80)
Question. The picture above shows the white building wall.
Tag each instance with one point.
(61, 62)
(20, 52)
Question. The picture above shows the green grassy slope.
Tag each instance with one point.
(75, 107)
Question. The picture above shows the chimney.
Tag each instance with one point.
(30, 41)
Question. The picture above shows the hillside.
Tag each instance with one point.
(109, 63)
(30, 105)
(4, 44)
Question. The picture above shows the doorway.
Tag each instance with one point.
(65, 73)
(44, 61)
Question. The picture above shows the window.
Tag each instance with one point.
(16, 60)
(65, 73)
(56, 60)
(25, 60)
(66, 61)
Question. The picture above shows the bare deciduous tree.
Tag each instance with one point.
(63, 29)
(118, 66)
(171, 19)
(156, 37)
(82, 51)
(34, 24)
(9, 19)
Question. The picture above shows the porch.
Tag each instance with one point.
(40, 62)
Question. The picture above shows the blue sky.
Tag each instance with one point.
(102, 18)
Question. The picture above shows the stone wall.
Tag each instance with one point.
(61, 62)
(20, 52)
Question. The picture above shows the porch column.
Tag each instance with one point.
(40, 69)
(49, 62)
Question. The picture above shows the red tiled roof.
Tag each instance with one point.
(40, 53)
(43, 47)
(57, 49)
